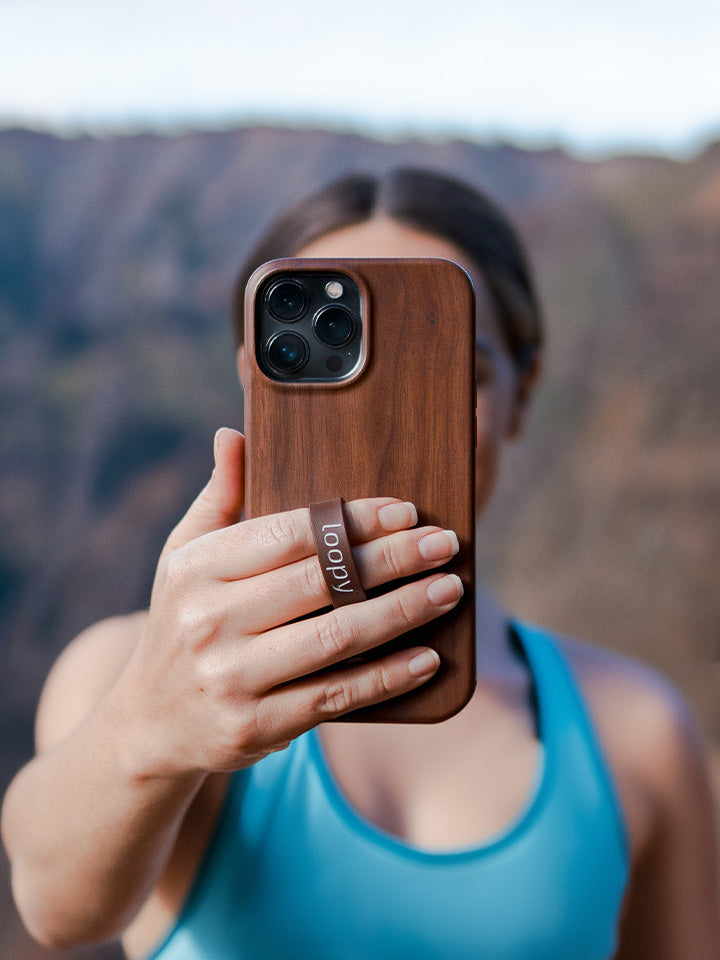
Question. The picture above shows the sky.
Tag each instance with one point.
(596, 77)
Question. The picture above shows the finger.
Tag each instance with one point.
(295, 590)
(295, 650)
(317, 699)
(220, 503)
(266, 543)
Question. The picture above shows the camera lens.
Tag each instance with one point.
(334, 326)
(287, 352)
(287, 300)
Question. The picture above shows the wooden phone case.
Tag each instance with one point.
(402, 425)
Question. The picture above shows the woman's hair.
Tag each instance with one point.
(428, 201)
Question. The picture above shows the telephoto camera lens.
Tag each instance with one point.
(287, 300)
(334, 326)
(287, 353)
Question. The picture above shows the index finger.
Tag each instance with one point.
(265, 543)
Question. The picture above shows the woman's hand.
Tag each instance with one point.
(222, 675)
(139, 710)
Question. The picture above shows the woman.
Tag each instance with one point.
(564, 813)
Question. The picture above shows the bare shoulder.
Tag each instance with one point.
(648, 733)
(633, 705)
(83, 673)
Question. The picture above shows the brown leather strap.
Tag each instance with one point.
(334, 554)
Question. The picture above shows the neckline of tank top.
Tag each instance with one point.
(494, 844)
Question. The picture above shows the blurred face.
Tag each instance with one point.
(500, 395)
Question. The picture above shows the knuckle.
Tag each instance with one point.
(178, 568)
(281, 531)
(381, 683)
(312, 580)
(335, 698)
(192, 622)
(212, 679)
(350, 691)
(200, 623)
(248, 740)
(236, 737)
(405, 612)
(392, 558)
(265, 731)
(333, 639)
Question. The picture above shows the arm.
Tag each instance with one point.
(75, 823)
(672, 907)
(215, 677)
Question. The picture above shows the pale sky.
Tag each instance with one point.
(595, 76)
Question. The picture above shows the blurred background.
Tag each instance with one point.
(143, 148)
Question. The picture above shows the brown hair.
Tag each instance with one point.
(429, 201)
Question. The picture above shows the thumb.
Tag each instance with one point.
(220, 502)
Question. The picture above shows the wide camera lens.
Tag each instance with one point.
(334, 326)
(287, 352)
(287, 300)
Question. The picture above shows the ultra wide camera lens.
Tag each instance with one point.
(287, 352)
(287, 300)
(334, 326)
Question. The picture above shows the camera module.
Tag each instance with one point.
(309, 325)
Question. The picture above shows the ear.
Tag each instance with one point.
(240, 363)
(524, 386)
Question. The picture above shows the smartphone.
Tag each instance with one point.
(360, 382)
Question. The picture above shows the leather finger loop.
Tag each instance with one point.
(333, 550)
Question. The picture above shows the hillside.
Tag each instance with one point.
(117, 258)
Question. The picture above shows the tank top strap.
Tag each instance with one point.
(565, 726)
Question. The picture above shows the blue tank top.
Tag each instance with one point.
(293, 872)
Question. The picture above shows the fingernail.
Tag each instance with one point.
(439, 545)
(397, 516)
(445, 590)
(424, 664)
(218, 439)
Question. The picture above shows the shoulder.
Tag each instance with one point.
(635, 708)
(649, 735)
(83, 674)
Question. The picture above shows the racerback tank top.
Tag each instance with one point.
(293, 872)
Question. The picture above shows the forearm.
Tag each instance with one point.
(88, 834)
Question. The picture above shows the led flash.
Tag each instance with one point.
(334, 289)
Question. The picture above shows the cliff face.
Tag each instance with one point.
(117, 259)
